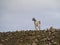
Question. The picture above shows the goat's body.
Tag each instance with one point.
(37, 24)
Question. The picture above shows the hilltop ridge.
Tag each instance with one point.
(32, 37)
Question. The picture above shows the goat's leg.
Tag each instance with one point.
(35, 28)
(39, 27)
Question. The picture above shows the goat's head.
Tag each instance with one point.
(33, 19)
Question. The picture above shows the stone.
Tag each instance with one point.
(1, 44)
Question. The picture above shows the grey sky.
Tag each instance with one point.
(18, 14)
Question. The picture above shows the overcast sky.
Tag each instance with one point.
(18, 14)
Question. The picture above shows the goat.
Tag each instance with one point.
(36, 23)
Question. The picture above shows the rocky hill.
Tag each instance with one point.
(37, 37)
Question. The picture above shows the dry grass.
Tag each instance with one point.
(39, 37)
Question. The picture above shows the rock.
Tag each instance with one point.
(34, 44)
(2, 40)
(28, 44)
(1, 44)
(55, 43)
(36, 40)
(50, 33)
(47, 44)
(50, 43)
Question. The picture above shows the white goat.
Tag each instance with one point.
(36, 23)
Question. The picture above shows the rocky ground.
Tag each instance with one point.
(37, 37)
